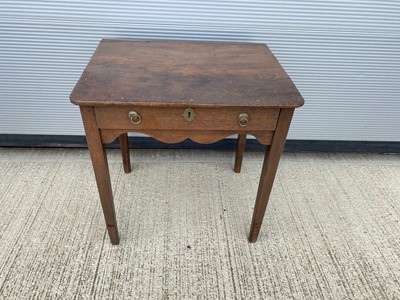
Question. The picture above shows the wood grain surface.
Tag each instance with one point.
(100, 166)
(268, 172)
(185, 73)
(171, 118)
(198, 136)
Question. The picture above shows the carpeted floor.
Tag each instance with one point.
(331, 230)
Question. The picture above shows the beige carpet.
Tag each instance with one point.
(331, 231)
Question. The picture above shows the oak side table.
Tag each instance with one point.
(171, 91)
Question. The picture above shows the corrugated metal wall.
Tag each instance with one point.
(344, 56)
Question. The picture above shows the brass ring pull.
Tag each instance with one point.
(134, 117)
(243, 119)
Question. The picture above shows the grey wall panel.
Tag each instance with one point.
(342, 55)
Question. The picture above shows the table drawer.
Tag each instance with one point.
(205, 118)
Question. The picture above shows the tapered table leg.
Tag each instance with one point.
(240, 145)
(271, 161)
(99, 160)
(123, 141)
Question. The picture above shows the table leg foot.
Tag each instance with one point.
(124, 144)
(240, 145)
(113, 234)
(254, 231)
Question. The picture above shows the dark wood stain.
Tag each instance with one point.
(207, 118)
(240, 145)
(158, 80)
(185, 73)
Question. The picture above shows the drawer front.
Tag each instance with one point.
(173, 118)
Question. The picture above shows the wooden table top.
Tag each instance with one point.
(168, 73)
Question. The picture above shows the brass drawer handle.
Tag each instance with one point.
(243, 119)
(134, 117)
